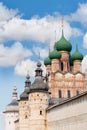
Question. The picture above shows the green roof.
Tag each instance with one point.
(77, 55)
(47, 61)
(63, 44)
(55, 54)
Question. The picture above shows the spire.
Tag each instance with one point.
(14, 95)
(76, 47)
(62, 25)
(39, 84)
(62, 22)
(76, 41)
(27, 82)
(24, 95)
(39, 70)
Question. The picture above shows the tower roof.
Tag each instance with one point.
(24, 95)
(63, 44)
(39, 84)
(77, 55)
(13, 106)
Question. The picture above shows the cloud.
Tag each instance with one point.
(84, 64)
(80, 15)
(24, 66)
(85, 40)
(10, 56)
(7, 14)
(36, 29)
(43, 52)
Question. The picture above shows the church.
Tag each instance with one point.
(55, 102)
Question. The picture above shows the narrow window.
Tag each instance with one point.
(77, 92)
(60, 94)
(40, 112)
(26, 116)
(61, 66)
(68, 94)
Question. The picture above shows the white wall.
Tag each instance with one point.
(9, 120)
(69, 116)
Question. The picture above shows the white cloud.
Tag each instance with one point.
(42, 51)
(10, 56)
(80, 15)
(7, 14)
(84, 64)
(39, 30)
(24, 66)
(27, 65)
(85, 40)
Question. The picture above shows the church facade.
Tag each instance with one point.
(57, 101)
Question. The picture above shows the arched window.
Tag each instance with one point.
(40, 112)
(60, 93)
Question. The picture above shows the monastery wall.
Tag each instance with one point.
(68, 116)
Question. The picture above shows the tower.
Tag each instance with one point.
(38, 101)
(24, 110)
(11, 112)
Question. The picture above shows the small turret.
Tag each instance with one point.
(13, 106)
(24, 106)
(11, 112)
(39, 83)
(38, 101)
(24, 95)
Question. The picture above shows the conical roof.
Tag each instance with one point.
(13, 106)
(77, 55)
(63, 44)
(24, 95)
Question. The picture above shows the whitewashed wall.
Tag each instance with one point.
(69, 116)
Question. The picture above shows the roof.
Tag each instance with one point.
(63, 44)
(77, 55)
(69, 100)
(55, 54)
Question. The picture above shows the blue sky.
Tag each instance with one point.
(27, 28)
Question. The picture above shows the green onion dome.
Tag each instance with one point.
(47, 61)
(77, 55)
(55, 54)
(63, 44)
